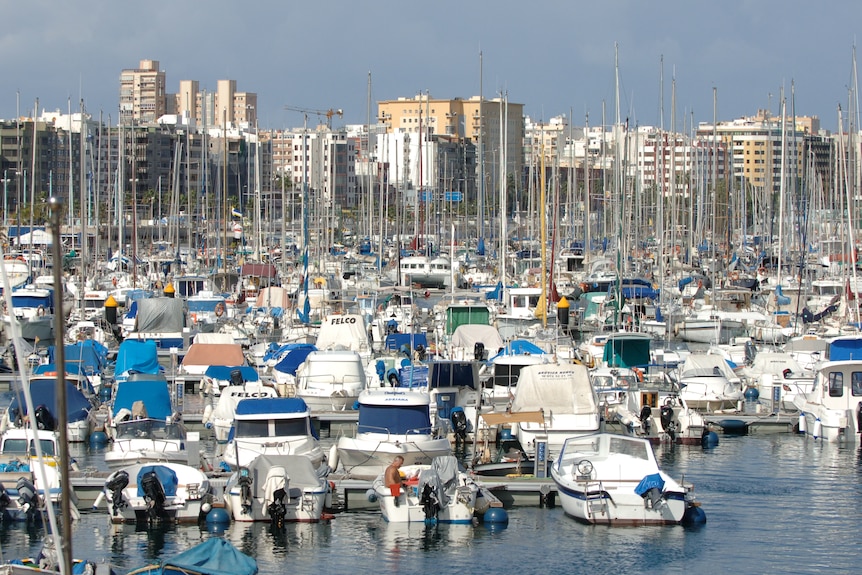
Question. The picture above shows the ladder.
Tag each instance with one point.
(596, 499)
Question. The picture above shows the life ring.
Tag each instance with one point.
(734, 275)
(639, 373)
(40, 311)
(194, 317)
(219, 309)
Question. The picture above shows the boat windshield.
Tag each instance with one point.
(148, 429)
(625, 446)
(268, 428)
(27, 446)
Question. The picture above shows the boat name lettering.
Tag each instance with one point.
(248, 394)
(341, 320)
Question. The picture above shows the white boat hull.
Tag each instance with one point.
(367, 458)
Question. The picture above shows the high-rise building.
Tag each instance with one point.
(142, 94)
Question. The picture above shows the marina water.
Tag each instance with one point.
(775, 503)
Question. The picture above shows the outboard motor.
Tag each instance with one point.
(653, 498)
(479, 351)
(115, 485)
(420, 352)
(459, 426)
(667, 424)
(245, 482)
(44, 419)
(276, 509)
(236, 377)
(646, 413)
(154, 495)
(5, 500)
(430, 502)
(28, 498)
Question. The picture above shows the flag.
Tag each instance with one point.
(235, 213)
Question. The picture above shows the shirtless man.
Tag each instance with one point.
(392, 477)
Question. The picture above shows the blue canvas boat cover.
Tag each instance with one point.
(224, 371)
(138, 356)
(294, 358)
(271, 405)
(648, 482)
(167, 477)
(215, 556)
(519, 347)
(153, 391)
(44, 392)
(91, 355)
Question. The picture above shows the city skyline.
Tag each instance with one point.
(560, 62)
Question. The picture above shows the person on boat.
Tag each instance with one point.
(392, 477)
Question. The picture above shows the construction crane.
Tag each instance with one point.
(328, 114)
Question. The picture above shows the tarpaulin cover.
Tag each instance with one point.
(160, 315)
(648, 482)
(215, 556)
(293, 360)
(167, 477)
(561, 389)
(138, 356)
(151, 389)
(44, 392)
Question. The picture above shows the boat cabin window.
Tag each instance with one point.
(836, 384)
(288, 427)
(635, 449)
(856, 383)
(252, 429)
(25, 446)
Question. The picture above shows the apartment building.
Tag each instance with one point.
(143, 98)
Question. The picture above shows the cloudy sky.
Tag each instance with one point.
(554, 56)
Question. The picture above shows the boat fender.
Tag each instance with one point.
(496, 516)
(100, 498)
(207, 416)
(332, 460)
(709, 439)
(217, 516)
(693, 516)
(817, 428)
(802, 424)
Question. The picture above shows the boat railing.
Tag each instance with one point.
(385, 430)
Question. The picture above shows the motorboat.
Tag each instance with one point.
(28, 481)
(143, 424)
(604, 478)
(391, 422)
(566, 398)
(279, 489)
(330, 380)
(831, 409)
(157, 493)
(221, 417)
(273, 426)
(708, 383)
(44, 387)
(439, 492)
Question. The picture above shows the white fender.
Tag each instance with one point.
(802, 424)
(817, 426)
(99, 499)
(333, 457)
(208, 413)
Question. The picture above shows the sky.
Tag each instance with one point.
(556, 57)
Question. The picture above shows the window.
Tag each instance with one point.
(836, 384)
(856, 383)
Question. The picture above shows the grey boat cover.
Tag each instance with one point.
(467, 335)
(161, 315)
(442, 477)
(299, 469)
